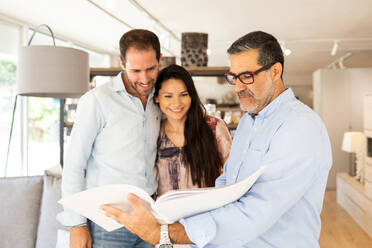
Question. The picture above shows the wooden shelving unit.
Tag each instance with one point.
(203, 71)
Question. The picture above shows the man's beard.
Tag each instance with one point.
(257, 104)
(134, 85)
(245, 93)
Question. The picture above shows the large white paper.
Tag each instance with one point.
(87, 203)
(168, 208)
(184, 203)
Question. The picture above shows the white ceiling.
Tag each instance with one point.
(308, 27)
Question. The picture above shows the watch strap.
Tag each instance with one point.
(164, 235)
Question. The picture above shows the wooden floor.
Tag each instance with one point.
(339, 230)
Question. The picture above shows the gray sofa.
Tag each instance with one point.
(28, 208)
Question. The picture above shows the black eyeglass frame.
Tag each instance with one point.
(252, 73)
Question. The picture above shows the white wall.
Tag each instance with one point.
(301, 84)
(338, 99)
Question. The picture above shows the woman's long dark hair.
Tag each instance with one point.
(201, 153)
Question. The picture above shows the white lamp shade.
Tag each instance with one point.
(50, 71)
(352, 141)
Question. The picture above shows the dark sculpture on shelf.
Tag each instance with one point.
(194, 49)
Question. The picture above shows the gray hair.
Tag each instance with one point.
(269, 47)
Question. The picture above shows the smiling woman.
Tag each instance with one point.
(192, 146)
(174, 100)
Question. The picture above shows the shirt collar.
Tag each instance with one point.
(285, 96)
(118, 84)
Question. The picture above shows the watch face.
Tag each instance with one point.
(166, 246)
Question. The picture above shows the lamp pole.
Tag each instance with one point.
(61, 129)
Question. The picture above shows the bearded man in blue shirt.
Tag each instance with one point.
(282, 209)
(114, 139)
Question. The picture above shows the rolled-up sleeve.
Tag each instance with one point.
(200, 228)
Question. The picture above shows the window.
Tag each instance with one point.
(35, 140)
(43, 115)
(9, 42)
(43, 122)
(43, 134)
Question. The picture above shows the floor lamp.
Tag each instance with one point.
(50, 71)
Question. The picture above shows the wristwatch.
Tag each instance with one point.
(164, 237)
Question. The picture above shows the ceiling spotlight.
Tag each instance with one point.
(334, 48)
(285, 49)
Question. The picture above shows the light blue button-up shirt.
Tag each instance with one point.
(114, 139)
(283, 207)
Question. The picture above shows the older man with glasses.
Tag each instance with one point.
(283, 207)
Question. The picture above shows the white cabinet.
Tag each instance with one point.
(368, 150)
(351, 195)
(338, 99)
(368, 180)
(368, 112)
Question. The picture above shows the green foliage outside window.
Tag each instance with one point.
(7, 73)
(43, 113)
(43, 116)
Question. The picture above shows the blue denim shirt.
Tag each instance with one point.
(114, 139)
(283, 207)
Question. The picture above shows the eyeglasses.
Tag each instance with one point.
(246, 77)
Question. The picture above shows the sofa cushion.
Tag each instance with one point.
(20, 199)
(48, 224)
